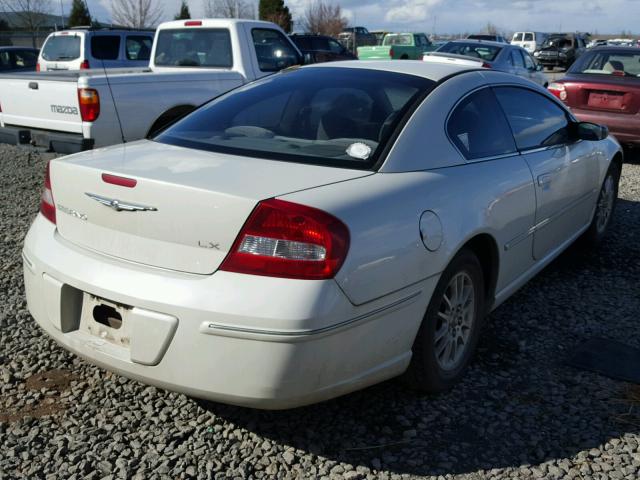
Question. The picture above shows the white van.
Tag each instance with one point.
(530, 41)
(85, 48)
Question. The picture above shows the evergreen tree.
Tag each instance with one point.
(184, 13)
(79, 15)
(277, 12)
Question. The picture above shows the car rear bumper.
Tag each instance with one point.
(60, 142)
(626, 128)
(240, 339)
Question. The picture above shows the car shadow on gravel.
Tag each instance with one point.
(519, 405)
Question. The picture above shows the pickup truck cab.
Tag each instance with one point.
(191, 62)
(402, 46)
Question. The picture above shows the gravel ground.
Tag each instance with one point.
(520, 413)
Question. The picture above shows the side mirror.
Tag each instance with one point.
(589, 131)
(308, 59)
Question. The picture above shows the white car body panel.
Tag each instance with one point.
(276, 342)
(214, 193)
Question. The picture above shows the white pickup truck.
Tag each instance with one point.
(192, 61)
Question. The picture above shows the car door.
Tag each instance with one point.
(564, 171)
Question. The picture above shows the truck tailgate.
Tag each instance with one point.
(40, 101)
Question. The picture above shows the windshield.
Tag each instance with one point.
(557, 42)
(609, 63)
(61, 47)
(398, 39)
(472, 49)
(207, 47)
(340, 117)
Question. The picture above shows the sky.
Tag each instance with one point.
(453, 16)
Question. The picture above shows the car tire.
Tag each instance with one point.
(605, 206)
(436, 367)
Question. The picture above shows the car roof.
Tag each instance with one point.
(614, 48)
(435, 71)
(13, 47)
(479, 42)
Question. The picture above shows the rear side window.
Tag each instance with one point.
(516, 58)
(528, 37)
(303, 43)
(478, 127)
(61, 48)
(517, 37)
(138, 47)
(273, 50)
(194, 47)
(535, 120)
(105, 47)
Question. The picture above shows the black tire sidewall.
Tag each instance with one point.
(427, 373)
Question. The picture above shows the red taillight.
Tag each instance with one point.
(193, 23)
(391, 52)
(89, 102)
(558, 90)
(120, 181)
(37, 66)
(284, 239)
(486, 65)
(85, 65)
(47, 206)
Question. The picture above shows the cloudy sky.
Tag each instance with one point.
(450, 16)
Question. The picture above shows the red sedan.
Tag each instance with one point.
(603, 86)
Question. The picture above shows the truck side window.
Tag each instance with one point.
(273, 50)
(105, 47)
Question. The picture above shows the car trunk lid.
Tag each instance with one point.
(603, 92)
(185, 209)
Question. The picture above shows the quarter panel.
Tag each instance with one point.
(383, 214)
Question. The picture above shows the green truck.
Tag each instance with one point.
(400, 46)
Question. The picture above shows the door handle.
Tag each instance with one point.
(33, 85)
(545, 179)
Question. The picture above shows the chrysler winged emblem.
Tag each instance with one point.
(120, 206)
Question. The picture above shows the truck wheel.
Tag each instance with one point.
(450, 328)
(404, 57)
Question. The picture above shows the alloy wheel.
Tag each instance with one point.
(455, 321)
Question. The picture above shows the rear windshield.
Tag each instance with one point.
(623, 64)
(490, 38)
(207, 47)
(328, 116)
(398, 40)
(471, 49)
(61, 47)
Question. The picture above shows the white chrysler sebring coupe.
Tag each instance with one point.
(316, 231)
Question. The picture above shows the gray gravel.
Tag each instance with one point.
(520, 413)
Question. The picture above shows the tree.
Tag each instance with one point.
(491, 29)
(324, 18)
(184, 12)
(30, 15)
(79, 15)
(136, 13)
(277, 12)
(227, 9)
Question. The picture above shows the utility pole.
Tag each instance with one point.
(62, 14)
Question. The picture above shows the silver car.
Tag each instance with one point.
(497, 56)
(316, 231)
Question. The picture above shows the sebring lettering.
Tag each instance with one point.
(65, 109)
